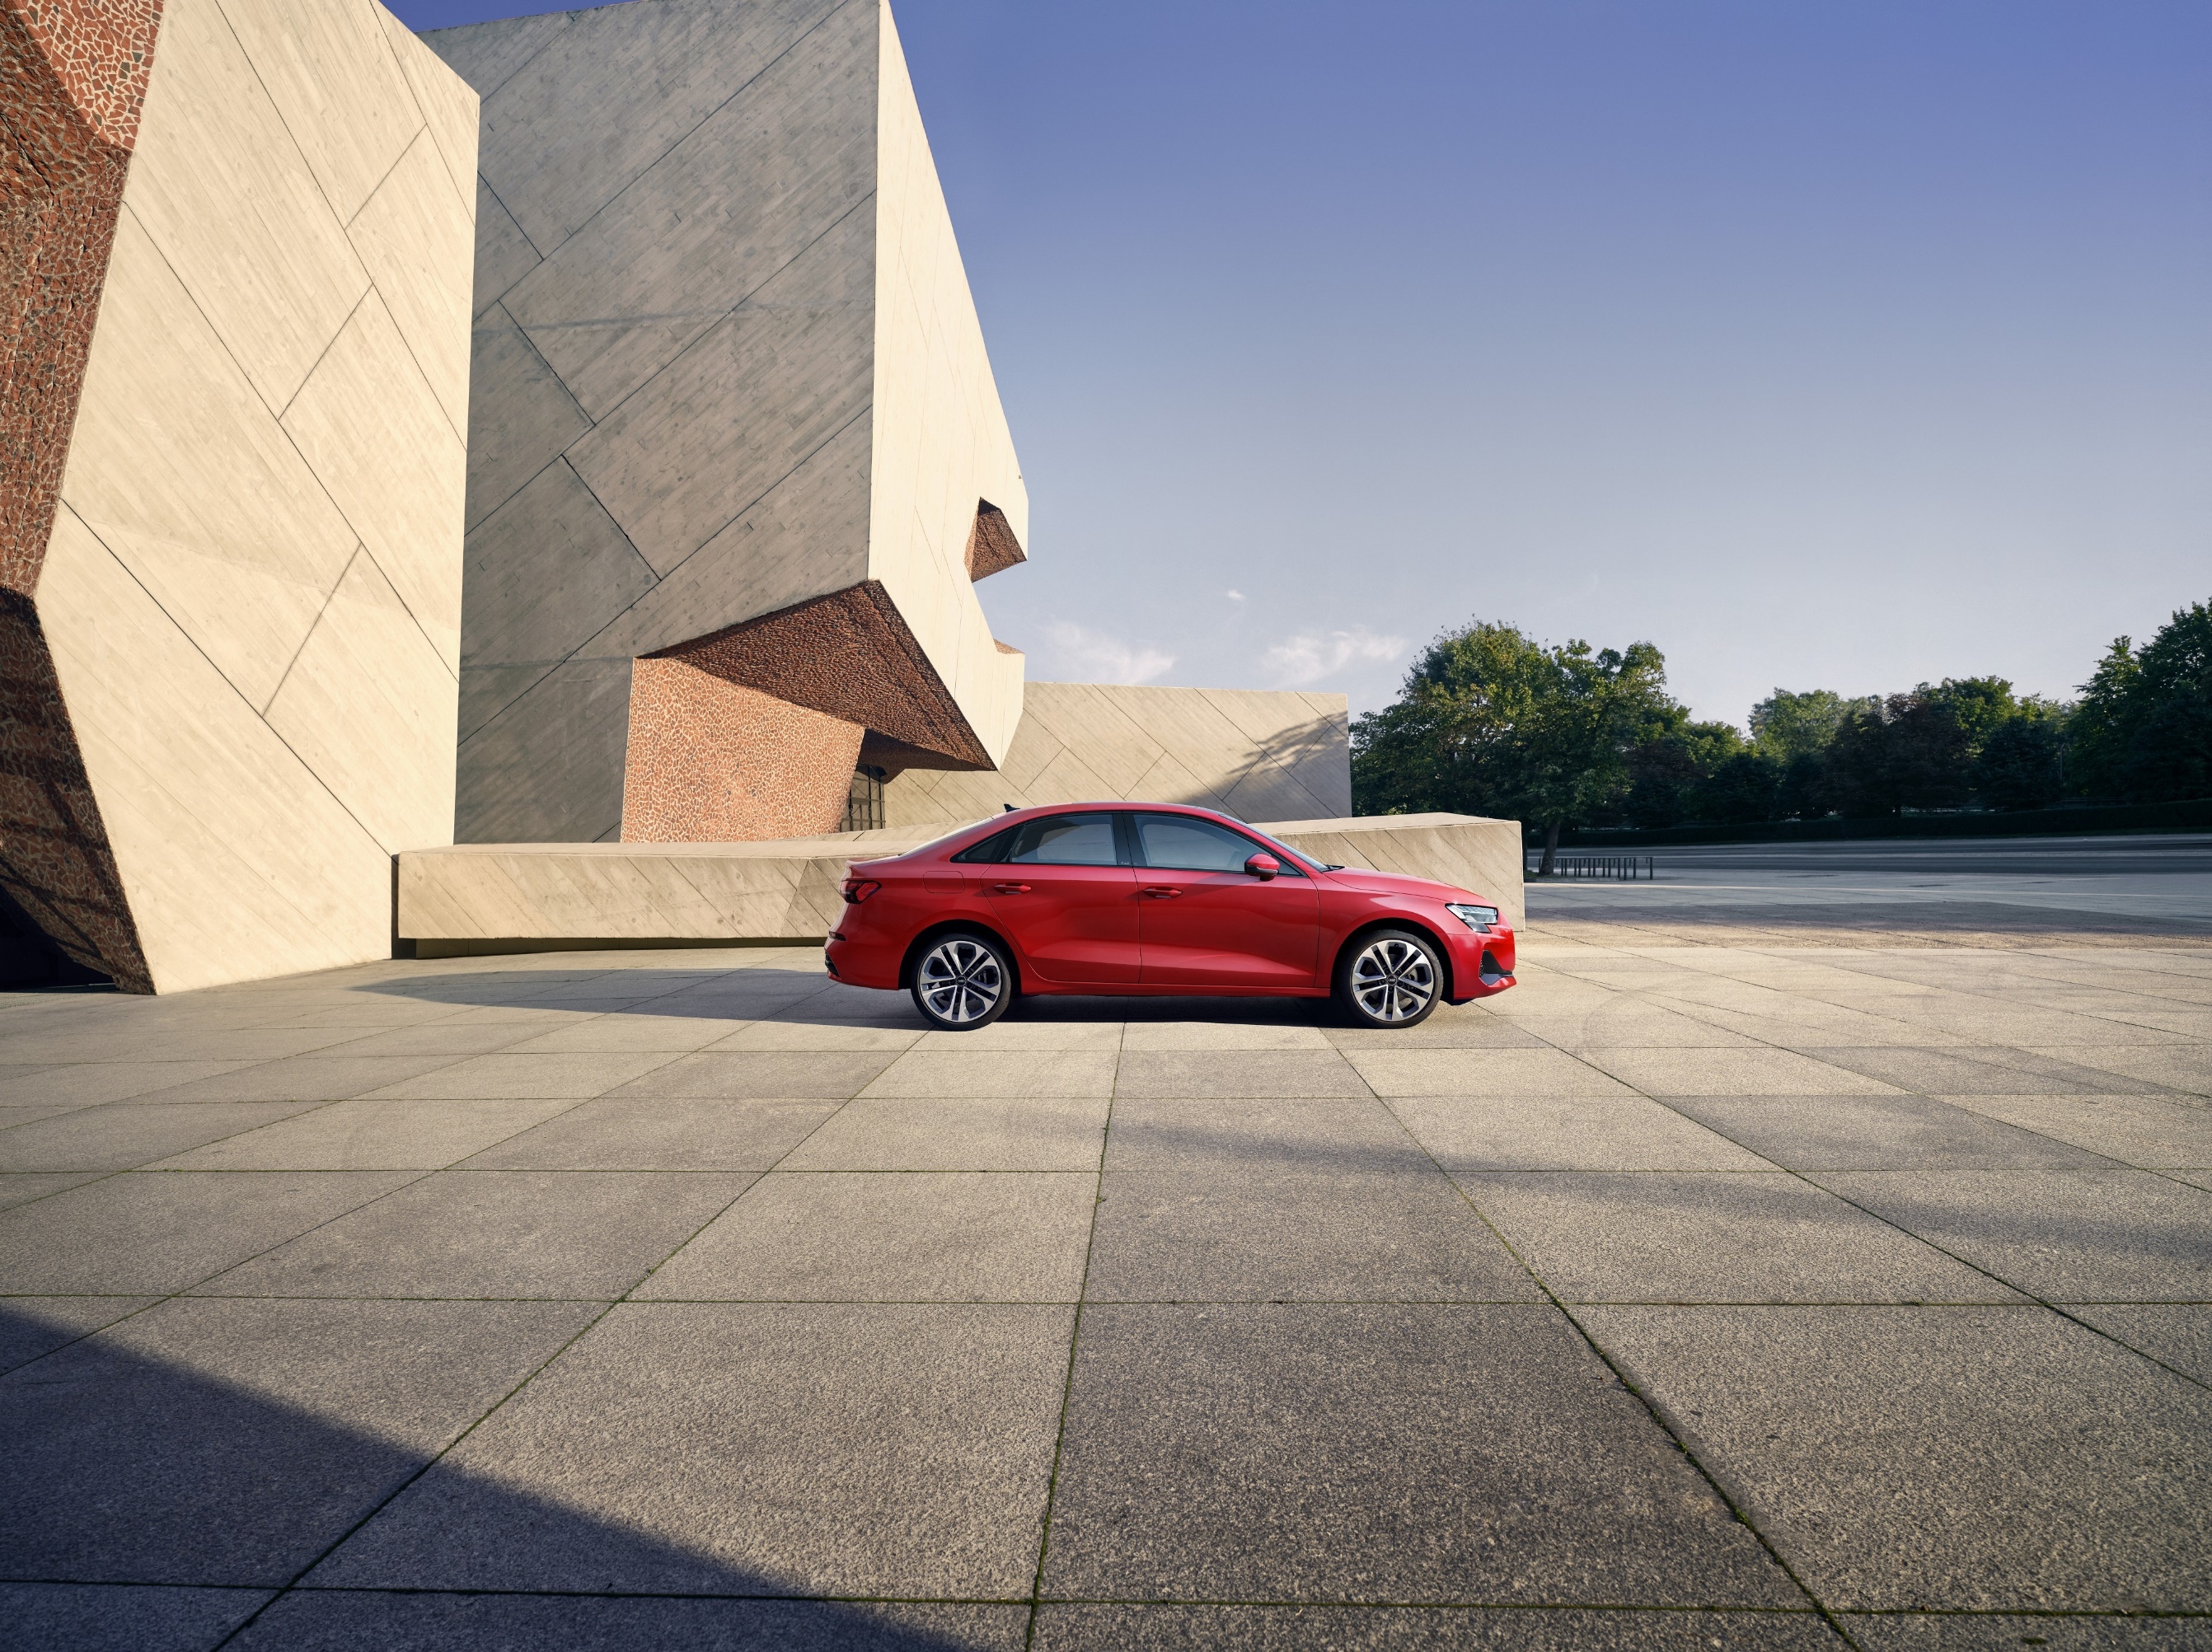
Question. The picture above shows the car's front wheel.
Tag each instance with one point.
(1389, 978)
(963, 981)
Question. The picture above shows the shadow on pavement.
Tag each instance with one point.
(143, 1505)
(803, 997)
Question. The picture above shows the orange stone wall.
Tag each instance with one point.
(711, 761)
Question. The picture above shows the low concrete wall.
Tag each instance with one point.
(510, 897)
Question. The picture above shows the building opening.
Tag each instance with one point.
(864, 804)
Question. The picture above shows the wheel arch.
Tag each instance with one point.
(930, 934)
(1358, 935)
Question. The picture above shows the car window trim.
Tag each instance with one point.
(1294, 866)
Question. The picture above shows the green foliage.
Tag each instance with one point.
(2143, 729)
(1492, 722)
(1788, 725)
(2020, 765)
(1909, 753)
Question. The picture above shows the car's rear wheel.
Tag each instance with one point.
(963, 981)
(1389, 978)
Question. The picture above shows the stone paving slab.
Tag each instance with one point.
(666, 1296)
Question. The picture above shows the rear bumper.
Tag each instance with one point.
(860, 960)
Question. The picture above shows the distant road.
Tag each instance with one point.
(2166, 877)
(2049, 856)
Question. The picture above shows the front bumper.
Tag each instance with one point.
(1481, 965)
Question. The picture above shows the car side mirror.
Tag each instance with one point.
(1263, 866)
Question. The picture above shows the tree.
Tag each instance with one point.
(1676, 758)
(1786, 725)
(2143, 729)
(1742, 791)
(1489, 721)
(2019, 766)
(1909, 753)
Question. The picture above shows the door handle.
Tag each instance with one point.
(1010, 888)
(1162, 892)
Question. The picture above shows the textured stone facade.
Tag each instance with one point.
(235, 446)
(711, 761)
(726, 372)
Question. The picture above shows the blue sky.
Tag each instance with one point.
(1824, 344)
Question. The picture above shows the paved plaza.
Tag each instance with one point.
(1761, 1281)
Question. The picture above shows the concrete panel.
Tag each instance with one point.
(1257, 755)
(543, 575)
(448, 106)
(520, 416)
(504, 254)
(501, 896)
(328, 69)
(185, 475)
(572, 723)
(783, 159)
(220, 186)
(367, 665)
(238, 862)
(489, 54)
(366, 417)
(674, 469)
(412, 234)
(1477, 854)
(554, 170)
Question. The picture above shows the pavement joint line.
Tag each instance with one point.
(1657, 1413)
(1074, 1343)
(184, 1291)
(484, 1416)
(2033, 1297)
(1654, 1411)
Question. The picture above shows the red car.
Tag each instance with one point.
(1155, 900)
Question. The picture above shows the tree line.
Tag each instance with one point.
(1489, 721)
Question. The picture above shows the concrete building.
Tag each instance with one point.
(737, 456)
(236, 238)
(573, 432)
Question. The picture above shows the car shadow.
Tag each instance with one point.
(803, 996)
(144, 1503)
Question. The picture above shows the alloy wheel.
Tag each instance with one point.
(961, 980)
(1393, 979)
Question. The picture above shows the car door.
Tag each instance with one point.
(1068, 899)
(1203, 920)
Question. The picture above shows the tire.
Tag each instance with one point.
(1389, 978)
(963, 980)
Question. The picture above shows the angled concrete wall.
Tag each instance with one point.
(1259, 756)
(248, 589)
(505, 897)
(726, 368)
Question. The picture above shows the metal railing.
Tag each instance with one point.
(1620, 868)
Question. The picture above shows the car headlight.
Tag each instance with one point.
(1478, 919)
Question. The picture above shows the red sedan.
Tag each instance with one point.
(1155, 900)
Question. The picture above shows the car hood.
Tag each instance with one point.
(1393, 882)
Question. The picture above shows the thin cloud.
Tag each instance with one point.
(1104, 658)
(1234, 596)
(1312, 655)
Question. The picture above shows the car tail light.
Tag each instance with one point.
(858, 890)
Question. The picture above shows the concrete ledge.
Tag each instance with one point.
(513, 898)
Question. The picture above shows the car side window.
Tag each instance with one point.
(1185, 843)
(1064, 841)
(992, 850)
